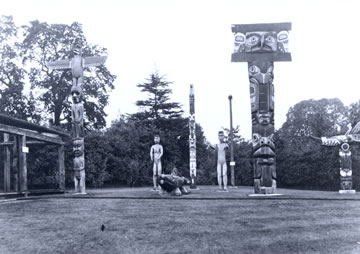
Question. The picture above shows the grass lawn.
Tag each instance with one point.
(72, 224)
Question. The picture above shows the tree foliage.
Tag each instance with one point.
(12, 75)
(48, 42)
(157, 106)
(302, 162)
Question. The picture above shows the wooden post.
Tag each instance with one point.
(232, 162)
(15, 164)
(6, 164)
(61, 168)
(22, 164)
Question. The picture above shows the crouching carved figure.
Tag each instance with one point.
(173, 184)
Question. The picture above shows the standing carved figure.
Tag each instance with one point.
(79, 165)
(221, 166)
(260, 45)
(343, 142)
(156, 152)
(77, 112)
(192, 139)
(77, 65)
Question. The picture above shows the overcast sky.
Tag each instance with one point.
(191, 43)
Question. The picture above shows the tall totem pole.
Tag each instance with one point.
(261, 45)
(192, 139)
(77, 65)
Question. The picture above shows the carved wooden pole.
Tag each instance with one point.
(232, 162)
(77, 113)
(261, 45)
(77, 64)
(345, 169)
(352, 135)
(192, 139)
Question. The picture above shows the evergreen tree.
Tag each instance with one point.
(157, 106)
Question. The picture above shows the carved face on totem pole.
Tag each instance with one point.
(76, 94)
(77, 50)
(79, 160)
(78, 147)
(192, 128)
(261, 41)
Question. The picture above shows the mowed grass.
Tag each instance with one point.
(73, 225)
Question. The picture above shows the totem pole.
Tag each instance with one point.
(192, 139)
(261, 45)
(352, 135)
(77, 65)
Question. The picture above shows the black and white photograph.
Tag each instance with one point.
(179, 126)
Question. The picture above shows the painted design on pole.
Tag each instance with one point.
(343, 142)
(77, 65)
(261, 45)
(192, 139)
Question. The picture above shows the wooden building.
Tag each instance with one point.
(18, 136)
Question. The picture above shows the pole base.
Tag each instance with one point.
(193, 182)
(265, 195)
(347, 191)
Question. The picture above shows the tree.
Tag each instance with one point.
(43, 42)
(12, 100)
(302, 162)
(244, 174)
(354, 117)
(129, 159)
(157, 106)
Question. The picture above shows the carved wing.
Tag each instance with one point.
(356, 129)
(355, 137)
(94, 61)
(58, 65)
(332, 141)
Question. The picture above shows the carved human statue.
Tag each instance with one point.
(77, 113)
(343, 142)
(221, 167)
(156, 152)
(79, 165)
